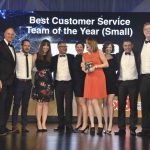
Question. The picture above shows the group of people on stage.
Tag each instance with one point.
(93, 76)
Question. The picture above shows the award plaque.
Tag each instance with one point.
(88, 65)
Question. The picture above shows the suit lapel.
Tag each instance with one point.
(7, 50)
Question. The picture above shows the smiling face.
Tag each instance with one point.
(79, 48)
(146, 31)
(9, 35)
(62, 48)
(127, 46)
(89, 48)
(45, 48)
(26, 46)
(108, 49)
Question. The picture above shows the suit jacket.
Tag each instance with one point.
(119, 55)
(7, 64)
(53, 66)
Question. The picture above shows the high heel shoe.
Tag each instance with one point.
(77, 129)
(92, 131)
(83, 131)
(108, 132)
(99, 131)
(39, 130)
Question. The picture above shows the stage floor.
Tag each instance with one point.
(54, 141)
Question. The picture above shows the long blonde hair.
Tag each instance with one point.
(92, 43)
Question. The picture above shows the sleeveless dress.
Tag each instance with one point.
(43, 84)
(79, 76)
(111, 76)
(95, 82)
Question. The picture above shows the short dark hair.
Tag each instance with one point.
(145, 24)
(79, 43)
(127, 40)
(25, 40)
(61, 42)
(106, 45)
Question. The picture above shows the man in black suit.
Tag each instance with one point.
(145, 81)
(7, 76)
(62, 65)
(127, 85)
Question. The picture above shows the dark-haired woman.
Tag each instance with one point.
(111, 82)
(79, 77)
(42, 91)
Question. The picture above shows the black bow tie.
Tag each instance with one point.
(62, 55)
(147, 42)
(10, 45)
(127, 53)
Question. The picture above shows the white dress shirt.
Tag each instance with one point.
(145, 59)
(21, 70)
(11, 49)
(63, 73)
(128, 70)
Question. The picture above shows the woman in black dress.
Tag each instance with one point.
(43, 86)
(111, 84)
(79, 77)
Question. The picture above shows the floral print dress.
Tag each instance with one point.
(43, 85)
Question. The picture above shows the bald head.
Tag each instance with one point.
(9, 35)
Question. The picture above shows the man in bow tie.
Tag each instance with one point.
(145, 81)
(7, 76)
(127, 86)
(62, 65)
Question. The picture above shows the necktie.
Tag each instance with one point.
(147, 42)
(127, 53)
(27, 65)
(62, 55)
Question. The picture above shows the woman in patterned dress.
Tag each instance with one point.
(43, 85)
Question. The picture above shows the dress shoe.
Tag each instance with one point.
(3, 133)
(25, 130)
(143, 133)
(8, 130)
(15, 129)
(92, 131)
(99, 131)
(120, 133)
(69, 129)
(59, 129)
(84, 130)
(132, 132)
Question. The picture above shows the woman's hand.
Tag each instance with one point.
(92, 69)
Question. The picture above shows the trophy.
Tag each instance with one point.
(88, 65)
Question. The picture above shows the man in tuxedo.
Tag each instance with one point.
(145, 82)
(127, 85)
(7, 76)
(62, 65)
(23, 85)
